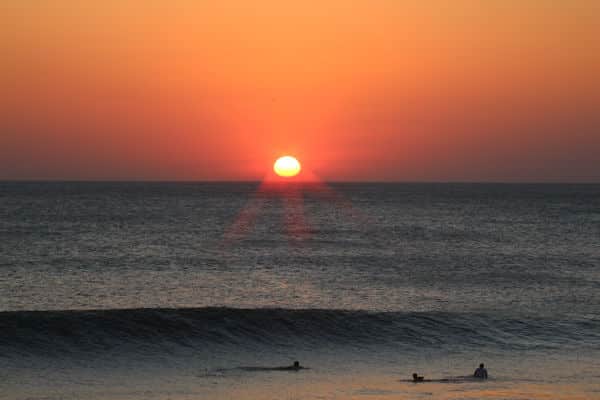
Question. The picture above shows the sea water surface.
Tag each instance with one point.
(195, 290)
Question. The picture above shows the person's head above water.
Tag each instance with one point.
(417, 378)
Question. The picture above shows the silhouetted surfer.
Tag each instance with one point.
(480, 372)
(294, 367)
(417, 378)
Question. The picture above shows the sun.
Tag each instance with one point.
(286, 166)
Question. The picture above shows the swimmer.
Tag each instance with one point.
(294, 367)
(417, 378)
(481, 372)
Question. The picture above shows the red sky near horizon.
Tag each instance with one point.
(377, 90)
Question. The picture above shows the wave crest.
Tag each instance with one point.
(35, 332)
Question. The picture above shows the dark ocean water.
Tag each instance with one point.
(184, 283)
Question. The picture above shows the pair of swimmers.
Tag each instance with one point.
(480, 373)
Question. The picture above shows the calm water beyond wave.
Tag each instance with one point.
(179, 290)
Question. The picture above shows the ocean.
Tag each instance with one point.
(133, 290)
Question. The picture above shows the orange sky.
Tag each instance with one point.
(464, 90)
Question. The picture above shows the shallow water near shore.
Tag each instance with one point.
(185, 290)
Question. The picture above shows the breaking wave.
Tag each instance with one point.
(68, 332)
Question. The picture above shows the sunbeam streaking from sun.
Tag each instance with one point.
(291, 190)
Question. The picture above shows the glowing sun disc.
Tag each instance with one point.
(286, 166)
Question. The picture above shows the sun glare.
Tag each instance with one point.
(286, 166)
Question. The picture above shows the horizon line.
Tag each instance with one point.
(257, 181)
